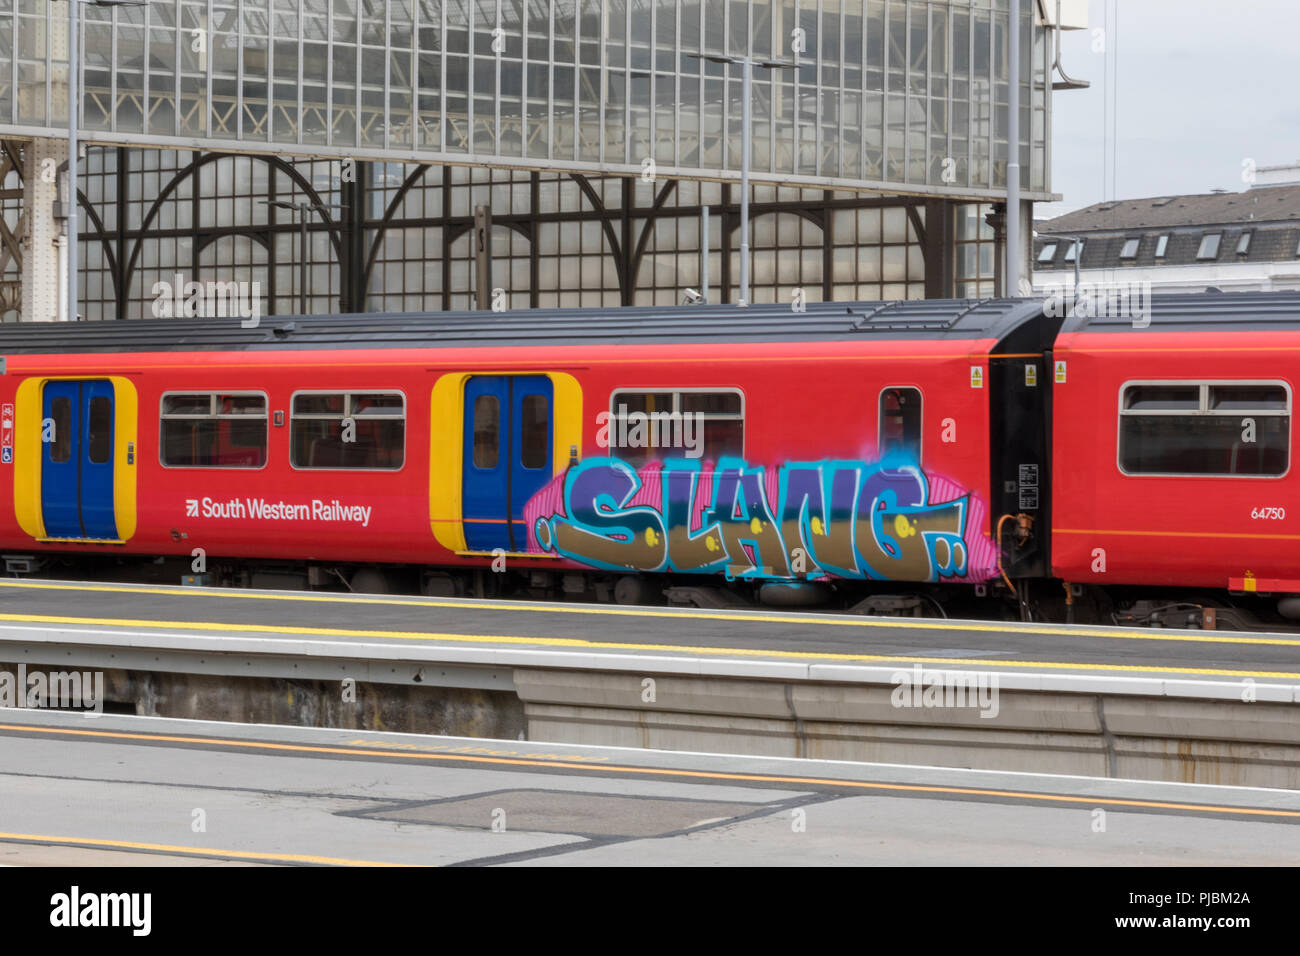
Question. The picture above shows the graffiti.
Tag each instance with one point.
(834, 518)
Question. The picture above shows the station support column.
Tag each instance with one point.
(42, 277)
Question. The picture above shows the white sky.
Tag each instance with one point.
(1201, 86)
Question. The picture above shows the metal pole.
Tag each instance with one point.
(744, 182)
(704, 254)
(1078, 254)
(302, 261)
(482, 256)
(73, 75)
(1013, 156)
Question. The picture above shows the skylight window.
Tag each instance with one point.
(1161, 244)
(1130, 249)
(1209, 246)
(1075, 249)
(1243, 244)
(1048, 253)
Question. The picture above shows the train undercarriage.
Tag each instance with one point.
(1041, 600)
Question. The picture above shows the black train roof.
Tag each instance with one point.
(1197, 312)
(686, 325)
(1000, 319)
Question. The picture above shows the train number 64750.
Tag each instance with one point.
(1277, 514)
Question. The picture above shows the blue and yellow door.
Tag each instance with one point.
(498, 439)
(74, 461)
(507, 456)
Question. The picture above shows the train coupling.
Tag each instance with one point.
(1024, 529)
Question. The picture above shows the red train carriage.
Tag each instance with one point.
(798, 456)
(1172, 457)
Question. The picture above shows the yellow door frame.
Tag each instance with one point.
(28, 409)
(447, 444)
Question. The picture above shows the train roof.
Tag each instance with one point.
(1183, 312)
(646, 325)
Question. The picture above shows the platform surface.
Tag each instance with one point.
(120, 790)
(364, 624)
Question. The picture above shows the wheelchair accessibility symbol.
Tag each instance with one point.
(6, 456)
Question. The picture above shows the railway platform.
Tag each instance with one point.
(1194, 706)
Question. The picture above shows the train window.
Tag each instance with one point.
(187, 404)
(1248, 398)
(900, 422)
(61, 418)
(535, 433)
(646, 402)
(1194, 428)
(100, 430)
(209, 430)
(331, 405)
(348, 430)
(487, 431)
(711, 403)
(1163, 397)
(688, 423)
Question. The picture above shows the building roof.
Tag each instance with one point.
(1270, 214)
(1267, 243)
(1272, 204)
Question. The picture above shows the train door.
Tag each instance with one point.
(507, 456)
(77, 460)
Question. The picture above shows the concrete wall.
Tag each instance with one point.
(1115, 734)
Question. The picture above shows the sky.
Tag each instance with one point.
(1197, 87)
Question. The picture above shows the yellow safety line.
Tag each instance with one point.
(829, 620)
(661, 771)
(190, 850)
(621, 646)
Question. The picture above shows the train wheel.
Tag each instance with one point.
(630, 589)
(370, 581)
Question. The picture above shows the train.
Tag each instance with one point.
(976, 458)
